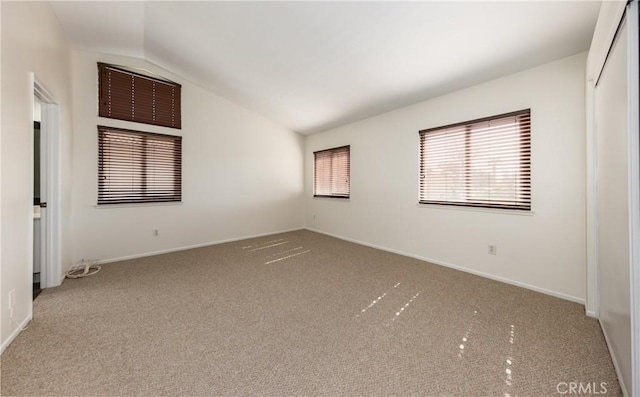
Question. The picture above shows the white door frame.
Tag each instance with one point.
(592, 305)
(51, 267)
(633, 136)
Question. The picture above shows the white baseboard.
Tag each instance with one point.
(15, 334)
(457, 267)
(592, 313)
(176, 249)
(615, 361)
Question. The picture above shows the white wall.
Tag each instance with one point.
(32, 41)
(544, 250)
(242, 174)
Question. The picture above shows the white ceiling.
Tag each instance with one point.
(316, 65)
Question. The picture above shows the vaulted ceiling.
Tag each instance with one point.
(316, 65)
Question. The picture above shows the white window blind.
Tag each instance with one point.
(138, 167)
(331, 172)
(479, 163)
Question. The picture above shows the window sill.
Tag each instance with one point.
(476, 209)
(136, 205)
(331, 198)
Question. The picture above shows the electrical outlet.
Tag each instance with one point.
(314, 217)
(155, 232)
(493, 249)
(12, 298)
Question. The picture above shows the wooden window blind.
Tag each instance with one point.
(138, 167)
(479, 163)
(331, 172)
(131, 96)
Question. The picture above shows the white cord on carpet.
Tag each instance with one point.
(84, 268)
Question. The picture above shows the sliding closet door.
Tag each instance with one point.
(614, 261)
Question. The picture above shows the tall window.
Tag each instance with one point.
(331, 172)
(479, 163)
(138, 167)
(131, 96)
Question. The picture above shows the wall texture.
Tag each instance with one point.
(32, 42)
(242, 174)
(544, 250)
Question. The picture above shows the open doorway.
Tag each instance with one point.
(37, 229)
(47, 269)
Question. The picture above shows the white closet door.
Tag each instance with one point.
(614, 262)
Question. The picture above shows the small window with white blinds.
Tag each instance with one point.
(138, 167)
(480, 163)
(331, 172)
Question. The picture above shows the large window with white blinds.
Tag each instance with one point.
(479, 163)
(331, 172)
(138, 167)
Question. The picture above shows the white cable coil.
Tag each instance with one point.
(84, 268)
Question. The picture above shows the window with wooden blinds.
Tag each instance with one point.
(131, 96)
(331, 172)
(479, 163)
(138, 167)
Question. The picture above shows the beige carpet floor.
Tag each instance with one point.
(301, 313)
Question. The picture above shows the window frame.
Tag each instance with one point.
(522, 202)
(335, 150)
(146, 160)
